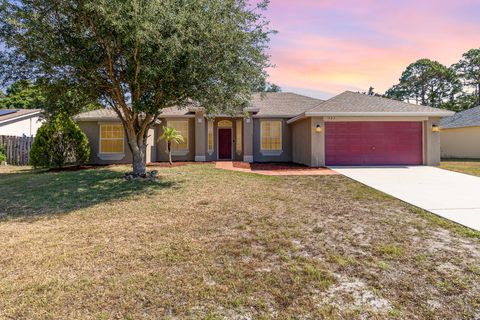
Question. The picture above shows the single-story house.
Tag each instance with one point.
(460, 135)
(20, 122)
(348, 129)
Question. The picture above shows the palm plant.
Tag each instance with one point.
(171, 135)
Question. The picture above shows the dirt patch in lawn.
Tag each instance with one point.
(215, 244)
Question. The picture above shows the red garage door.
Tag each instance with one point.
(373, 143)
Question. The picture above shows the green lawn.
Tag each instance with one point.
(206, 243)
(467, 166)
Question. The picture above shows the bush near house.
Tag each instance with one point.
(59, 142)
(3, 156)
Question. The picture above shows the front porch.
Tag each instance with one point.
(219, 138)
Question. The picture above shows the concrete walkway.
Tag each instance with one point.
(454, 196)
(273, 169)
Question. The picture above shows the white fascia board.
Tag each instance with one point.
(21, 117)
(177, 116)
(97, 119)
(299, 117)
(380, 114)
(272, 116)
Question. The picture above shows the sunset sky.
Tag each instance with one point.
(325, 47)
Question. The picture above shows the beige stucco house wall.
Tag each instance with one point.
(92, 131)
(302, 142)
(460, 142)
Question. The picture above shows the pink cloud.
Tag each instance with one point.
(333, 46)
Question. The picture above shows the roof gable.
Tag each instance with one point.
(350, 102)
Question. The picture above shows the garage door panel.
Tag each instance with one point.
(373, 143)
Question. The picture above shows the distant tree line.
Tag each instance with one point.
(53, 99)
(431, 83)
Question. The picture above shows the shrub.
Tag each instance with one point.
(3, 156)
(59, 142)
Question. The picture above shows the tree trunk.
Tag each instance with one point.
(138, 146)
(169, 145)
(139, 161)
(478, 95)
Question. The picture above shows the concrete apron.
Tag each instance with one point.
(451, 195)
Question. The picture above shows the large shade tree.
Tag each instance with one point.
(468, 70)
(427, 82)
(140, 56)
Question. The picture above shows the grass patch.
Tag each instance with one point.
(213, 244)
(468, 166)
(391, 251)
(446, 224)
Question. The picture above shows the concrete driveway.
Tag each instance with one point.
(454, 196)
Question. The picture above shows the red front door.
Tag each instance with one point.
(373, 143)
(224, 144)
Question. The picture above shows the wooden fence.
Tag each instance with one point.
(17, 149)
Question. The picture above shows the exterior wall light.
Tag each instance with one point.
(435, 128)
(318, 128)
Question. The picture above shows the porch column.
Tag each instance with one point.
(318, 142)
(151, 146)
(431, 143)
(248, 138)
(200, 149)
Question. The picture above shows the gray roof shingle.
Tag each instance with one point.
(467, 118)
(109, 114)
(354, 102)
(95, 115)
(282, 104)
(285, 104)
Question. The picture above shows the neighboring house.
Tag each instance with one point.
(461, 135)
(348, 129)
(20, 122)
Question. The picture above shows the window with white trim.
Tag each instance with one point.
(210, 136)
(111, 138)
(182, 128)
(238, 140)
(271, 135)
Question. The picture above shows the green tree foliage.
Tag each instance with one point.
(141, 56)
(264, 86)
(68, 99)
(3, 155)
(23, 95)
(272, 87)
(468, 70)
(171, 135)
(53, 98)
(427, 82)
(59, 142)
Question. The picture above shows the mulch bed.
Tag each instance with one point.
(75, 168)
(175, 164)
(236, 164)
(271, 166)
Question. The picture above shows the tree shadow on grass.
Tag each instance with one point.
(30, 194)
